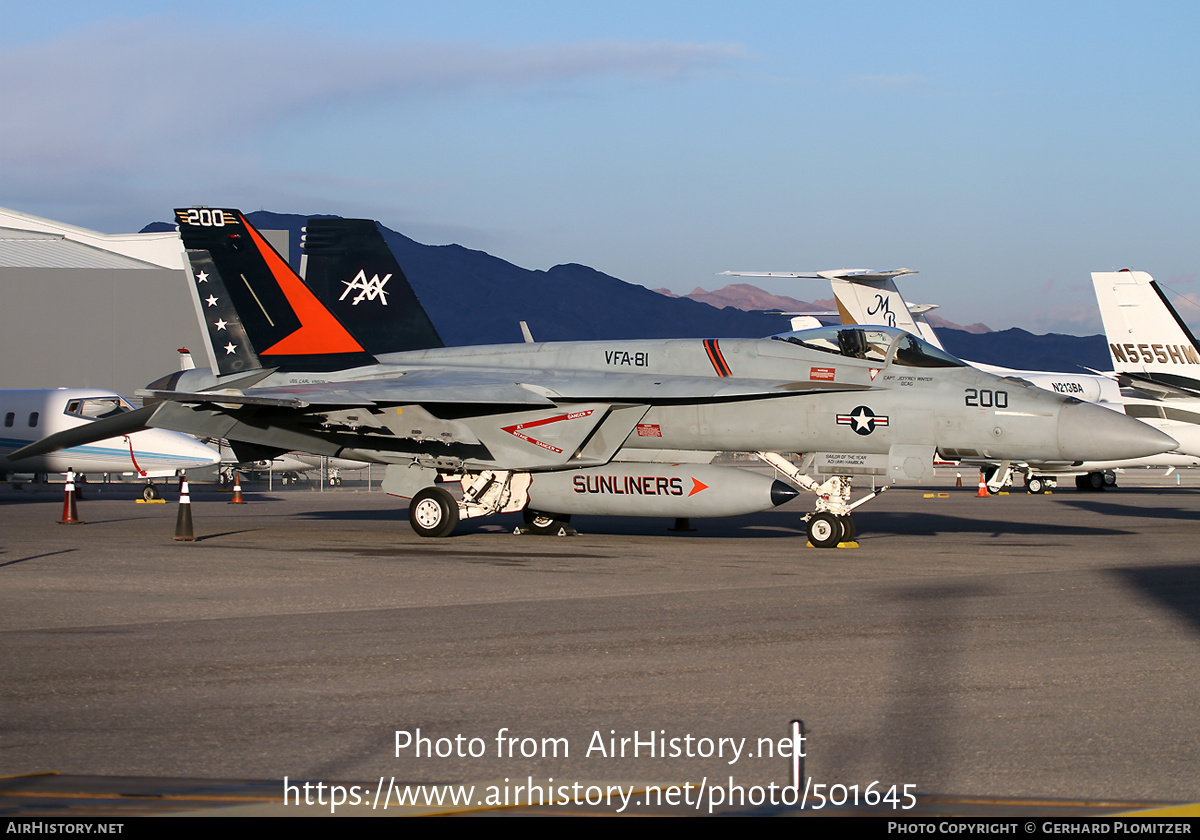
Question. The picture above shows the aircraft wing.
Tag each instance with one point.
(1160, 386)
(582, 416)
(421, 386)
(856, 274)
(434, 386)
(521, 419)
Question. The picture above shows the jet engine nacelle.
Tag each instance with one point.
(644, 489)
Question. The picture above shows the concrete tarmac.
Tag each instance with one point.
(1033, 647)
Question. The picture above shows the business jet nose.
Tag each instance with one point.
(158, 449)
(203, 455)
(1089, 432)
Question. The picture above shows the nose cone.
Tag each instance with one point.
(1088, 432)
(202, 454)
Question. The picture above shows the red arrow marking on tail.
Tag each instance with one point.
(319, 331)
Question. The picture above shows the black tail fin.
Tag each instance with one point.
(349, 266)
(254, 309)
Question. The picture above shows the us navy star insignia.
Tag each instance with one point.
(862, 420)
(230, 348)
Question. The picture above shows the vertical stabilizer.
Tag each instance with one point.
(1146, 337)
(350, 267)
(255, 311)
(877, 301)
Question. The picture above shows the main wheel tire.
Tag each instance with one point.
(1110, 478)
(1035, 485)
(1095, 481)
(849, 529)
(150, 493)
(433, 513)
(824, 530)
(544, 523)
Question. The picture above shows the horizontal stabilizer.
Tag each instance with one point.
(857, 275)
(222, 398)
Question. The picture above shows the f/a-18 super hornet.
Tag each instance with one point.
(562, 428)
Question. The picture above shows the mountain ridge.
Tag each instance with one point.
(475, 298)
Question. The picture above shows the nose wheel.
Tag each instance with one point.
(826, 530)
(849, 529)
(830, 524)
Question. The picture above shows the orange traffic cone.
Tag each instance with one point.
(183, 521)
(69, 516)
(958, 479)
(983, 491)
(237, 490)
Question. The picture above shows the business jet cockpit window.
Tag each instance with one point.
(95, 408)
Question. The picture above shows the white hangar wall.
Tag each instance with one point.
(85, 309)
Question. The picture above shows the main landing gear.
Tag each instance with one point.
(1038, 484)
(830, 525)
(1094, 482)
(545, 523)
(434, 512)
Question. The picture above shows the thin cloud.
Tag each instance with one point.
(96, 98)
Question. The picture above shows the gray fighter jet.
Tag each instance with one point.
(556, 429)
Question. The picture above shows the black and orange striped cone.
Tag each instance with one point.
(183, 521)
(70, 516)
(237, 490)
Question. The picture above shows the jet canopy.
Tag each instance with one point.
(873, 344)
(97, 408)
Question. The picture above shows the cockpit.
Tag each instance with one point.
(874, 344)
(95, 408)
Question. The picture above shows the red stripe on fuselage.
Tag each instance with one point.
(714, 355)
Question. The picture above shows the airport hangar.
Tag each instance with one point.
(84, 309)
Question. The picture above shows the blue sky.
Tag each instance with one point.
(1003, 150)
